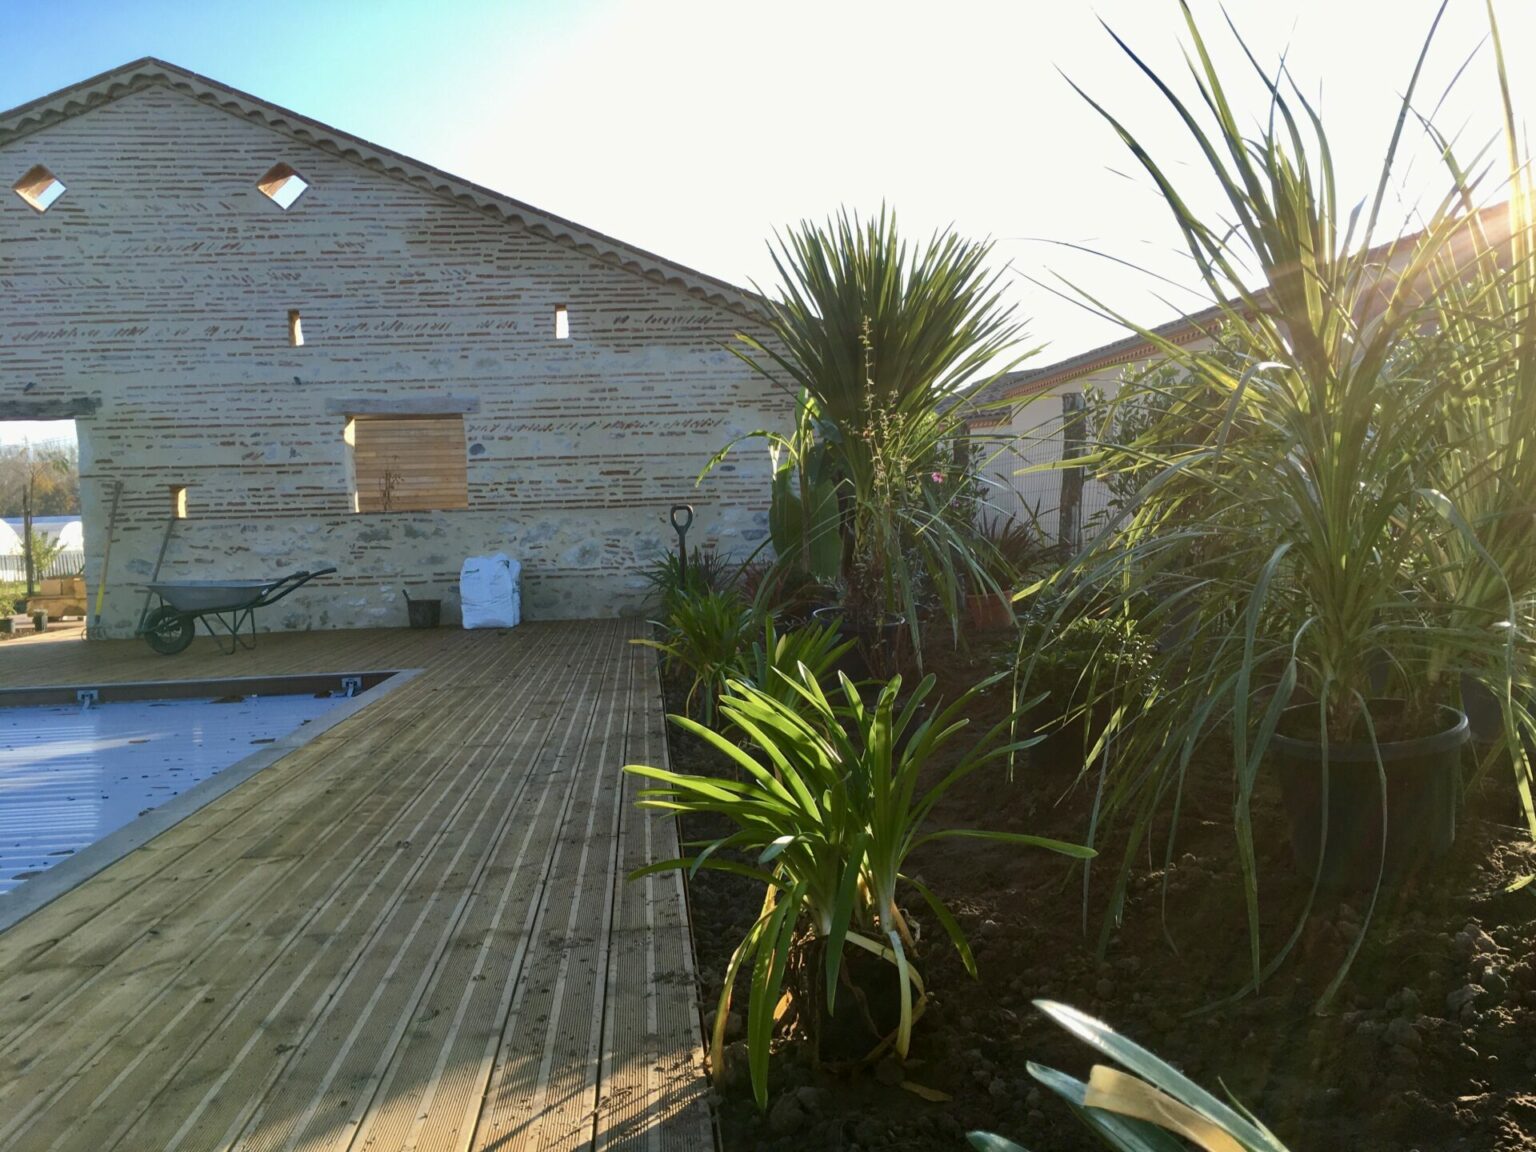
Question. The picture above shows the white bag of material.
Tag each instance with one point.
(491, 593)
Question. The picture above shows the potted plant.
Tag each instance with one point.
(1300, 547)
(1008, 548)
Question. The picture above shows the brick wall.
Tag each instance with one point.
(159, 287)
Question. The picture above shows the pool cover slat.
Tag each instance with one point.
(71, 775)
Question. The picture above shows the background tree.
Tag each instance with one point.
(39, 480)
(56, 488)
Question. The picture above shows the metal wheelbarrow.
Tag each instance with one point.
(232, 603)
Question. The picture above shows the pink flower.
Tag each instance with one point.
(938, 477)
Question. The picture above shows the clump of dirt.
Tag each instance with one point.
(1428, 1045)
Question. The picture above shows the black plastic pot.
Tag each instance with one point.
(1423, 788)
(1064, 742)
(423, 613)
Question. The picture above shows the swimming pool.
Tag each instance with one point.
(73, 775)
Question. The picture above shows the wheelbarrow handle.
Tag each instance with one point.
(288, 584)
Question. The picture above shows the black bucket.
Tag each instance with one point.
(1423, 787)
(423, 613)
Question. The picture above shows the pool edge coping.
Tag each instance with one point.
(43, 889)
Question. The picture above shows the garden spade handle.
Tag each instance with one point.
(682, 520)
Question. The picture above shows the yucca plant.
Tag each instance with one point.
(1292, 556)
(881, 338)
(829, 804)
(1151, 1108)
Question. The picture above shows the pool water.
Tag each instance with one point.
(71, 775)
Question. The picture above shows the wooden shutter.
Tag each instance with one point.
(409, 463)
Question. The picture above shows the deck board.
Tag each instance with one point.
(652, 1095)
(412, 932)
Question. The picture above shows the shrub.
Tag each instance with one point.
(707, 572)
(776, 664)
(830, 806)
(703, 637)
(1083, 663)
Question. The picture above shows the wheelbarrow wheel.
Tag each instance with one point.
(169, 631)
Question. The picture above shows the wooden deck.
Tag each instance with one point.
(412, 933)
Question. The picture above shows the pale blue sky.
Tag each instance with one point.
(694, 127)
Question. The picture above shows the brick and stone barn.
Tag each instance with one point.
(306, 350)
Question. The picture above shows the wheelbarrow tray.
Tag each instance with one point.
(232, 604)
(211, 595)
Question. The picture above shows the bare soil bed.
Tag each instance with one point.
(1430, 1045)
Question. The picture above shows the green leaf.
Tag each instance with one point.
(1150, 1068)
(1125, 1133)
(775, 847)
(948, 922)
(1076, 851)
(987, 1142)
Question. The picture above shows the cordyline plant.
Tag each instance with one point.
(828, 803)
(1330, 543)
(880, 340)
(1485, 307)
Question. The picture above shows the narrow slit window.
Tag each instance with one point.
(282, 185)
(562, 323)
(295, 328)
(39, 187)
(179, 501)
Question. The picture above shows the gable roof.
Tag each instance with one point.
(1031, 381)
(989, 404)
(150, 72)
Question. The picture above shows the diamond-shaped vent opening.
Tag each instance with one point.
(39, 188)
(282, 185)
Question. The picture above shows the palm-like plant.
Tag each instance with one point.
(867, 325)
(1296, 549)
(1486, 307)
(829, 803)
(881, 338)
